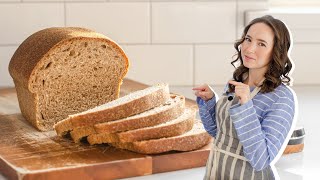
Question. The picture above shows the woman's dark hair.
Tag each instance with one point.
(280, 64)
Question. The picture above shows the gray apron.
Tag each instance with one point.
(226, 159)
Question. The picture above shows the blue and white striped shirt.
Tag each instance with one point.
(262, 124)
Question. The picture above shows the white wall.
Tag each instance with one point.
(182, 42)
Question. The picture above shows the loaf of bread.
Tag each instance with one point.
(174, 127)
(161, 114)
(131, 104)
(63, 71)
(196, 138)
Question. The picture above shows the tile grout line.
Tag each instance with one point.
(194, 64)
(237, 23)
(8, 45)
(65, 13)
(177, 44)
(150, 21)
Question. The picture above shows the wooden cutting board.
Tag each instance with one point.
(26, 153)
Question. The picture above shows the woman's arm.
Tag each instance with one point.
(262, 141)
(207, 115)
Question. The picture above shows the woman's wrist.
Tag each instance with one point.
(213, 95)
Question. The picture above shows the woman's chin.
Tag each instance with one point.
(248, 65)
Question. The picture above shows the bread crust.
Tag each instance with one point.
(63, 127)
(120, 111)
(30, 57)
(169, 130)
(130, 108)
(78, 133)
(159, 131)
(25, 60)
(156, 146)
(145, 121)
(132, 123)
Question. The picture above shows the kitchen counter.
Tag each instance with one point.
(297, 166)
(26, 153)
(304, 165)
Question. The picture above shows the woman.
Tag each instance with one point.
(252, 121)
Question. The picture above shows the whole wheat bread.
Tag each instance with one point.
(62, 71)
(125, 106)
(168, 111)
(196, 138)
(79, 133)
(174, 127)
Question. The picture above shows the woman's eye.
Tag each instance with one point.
(262, 44)
(247, 39)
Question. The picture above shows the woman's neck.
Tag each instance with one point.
(254, 78)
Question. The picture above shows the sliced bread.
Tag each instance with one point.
(196, 138)
(168, 111)
(65, 70)
(80, 132)
(174, 127)
(131, 104)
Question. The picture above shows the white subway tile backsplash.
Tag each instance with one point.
(193, 22)
(243, 7)
(63, 0)
(128, 0)
(304, 26)
(182, 42)
(212, 64)
(5, 1)
(306, 35)
(152, 64)
(306, 60)
(294, 19)
(5, 57)
(253, 1)
(20, 20)
(122, 22)
(171, 0)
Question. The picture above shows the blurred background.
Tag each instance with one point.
(182, 42)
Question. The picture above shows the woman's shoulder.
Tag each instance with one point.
(282, 92)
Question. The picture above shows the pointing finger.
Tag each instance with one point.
(235, 83)
(199, 88)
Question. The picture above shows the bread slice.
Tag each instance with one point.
(79, 133)
(174, 127)
(168, 111)
(125, 106)
(65, 70)
(196, 138)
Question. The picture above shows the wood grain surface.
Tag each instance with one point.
(26, 153)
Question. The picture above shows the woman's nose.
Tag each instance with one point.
(251, 48)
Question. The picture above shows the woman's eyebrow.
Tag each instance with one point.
(257, 39)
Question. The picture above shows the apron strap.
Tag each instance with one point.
(257, 89)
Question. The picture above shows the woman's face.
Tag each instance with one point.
(256, 49)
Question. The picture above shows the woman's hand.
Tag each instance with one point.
(242, 91)
(204, 91)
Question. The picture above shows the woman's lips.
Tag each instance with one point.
(248, 58)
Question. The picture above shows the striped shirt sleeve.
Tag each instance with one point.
(207, 115)
(263, 140)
